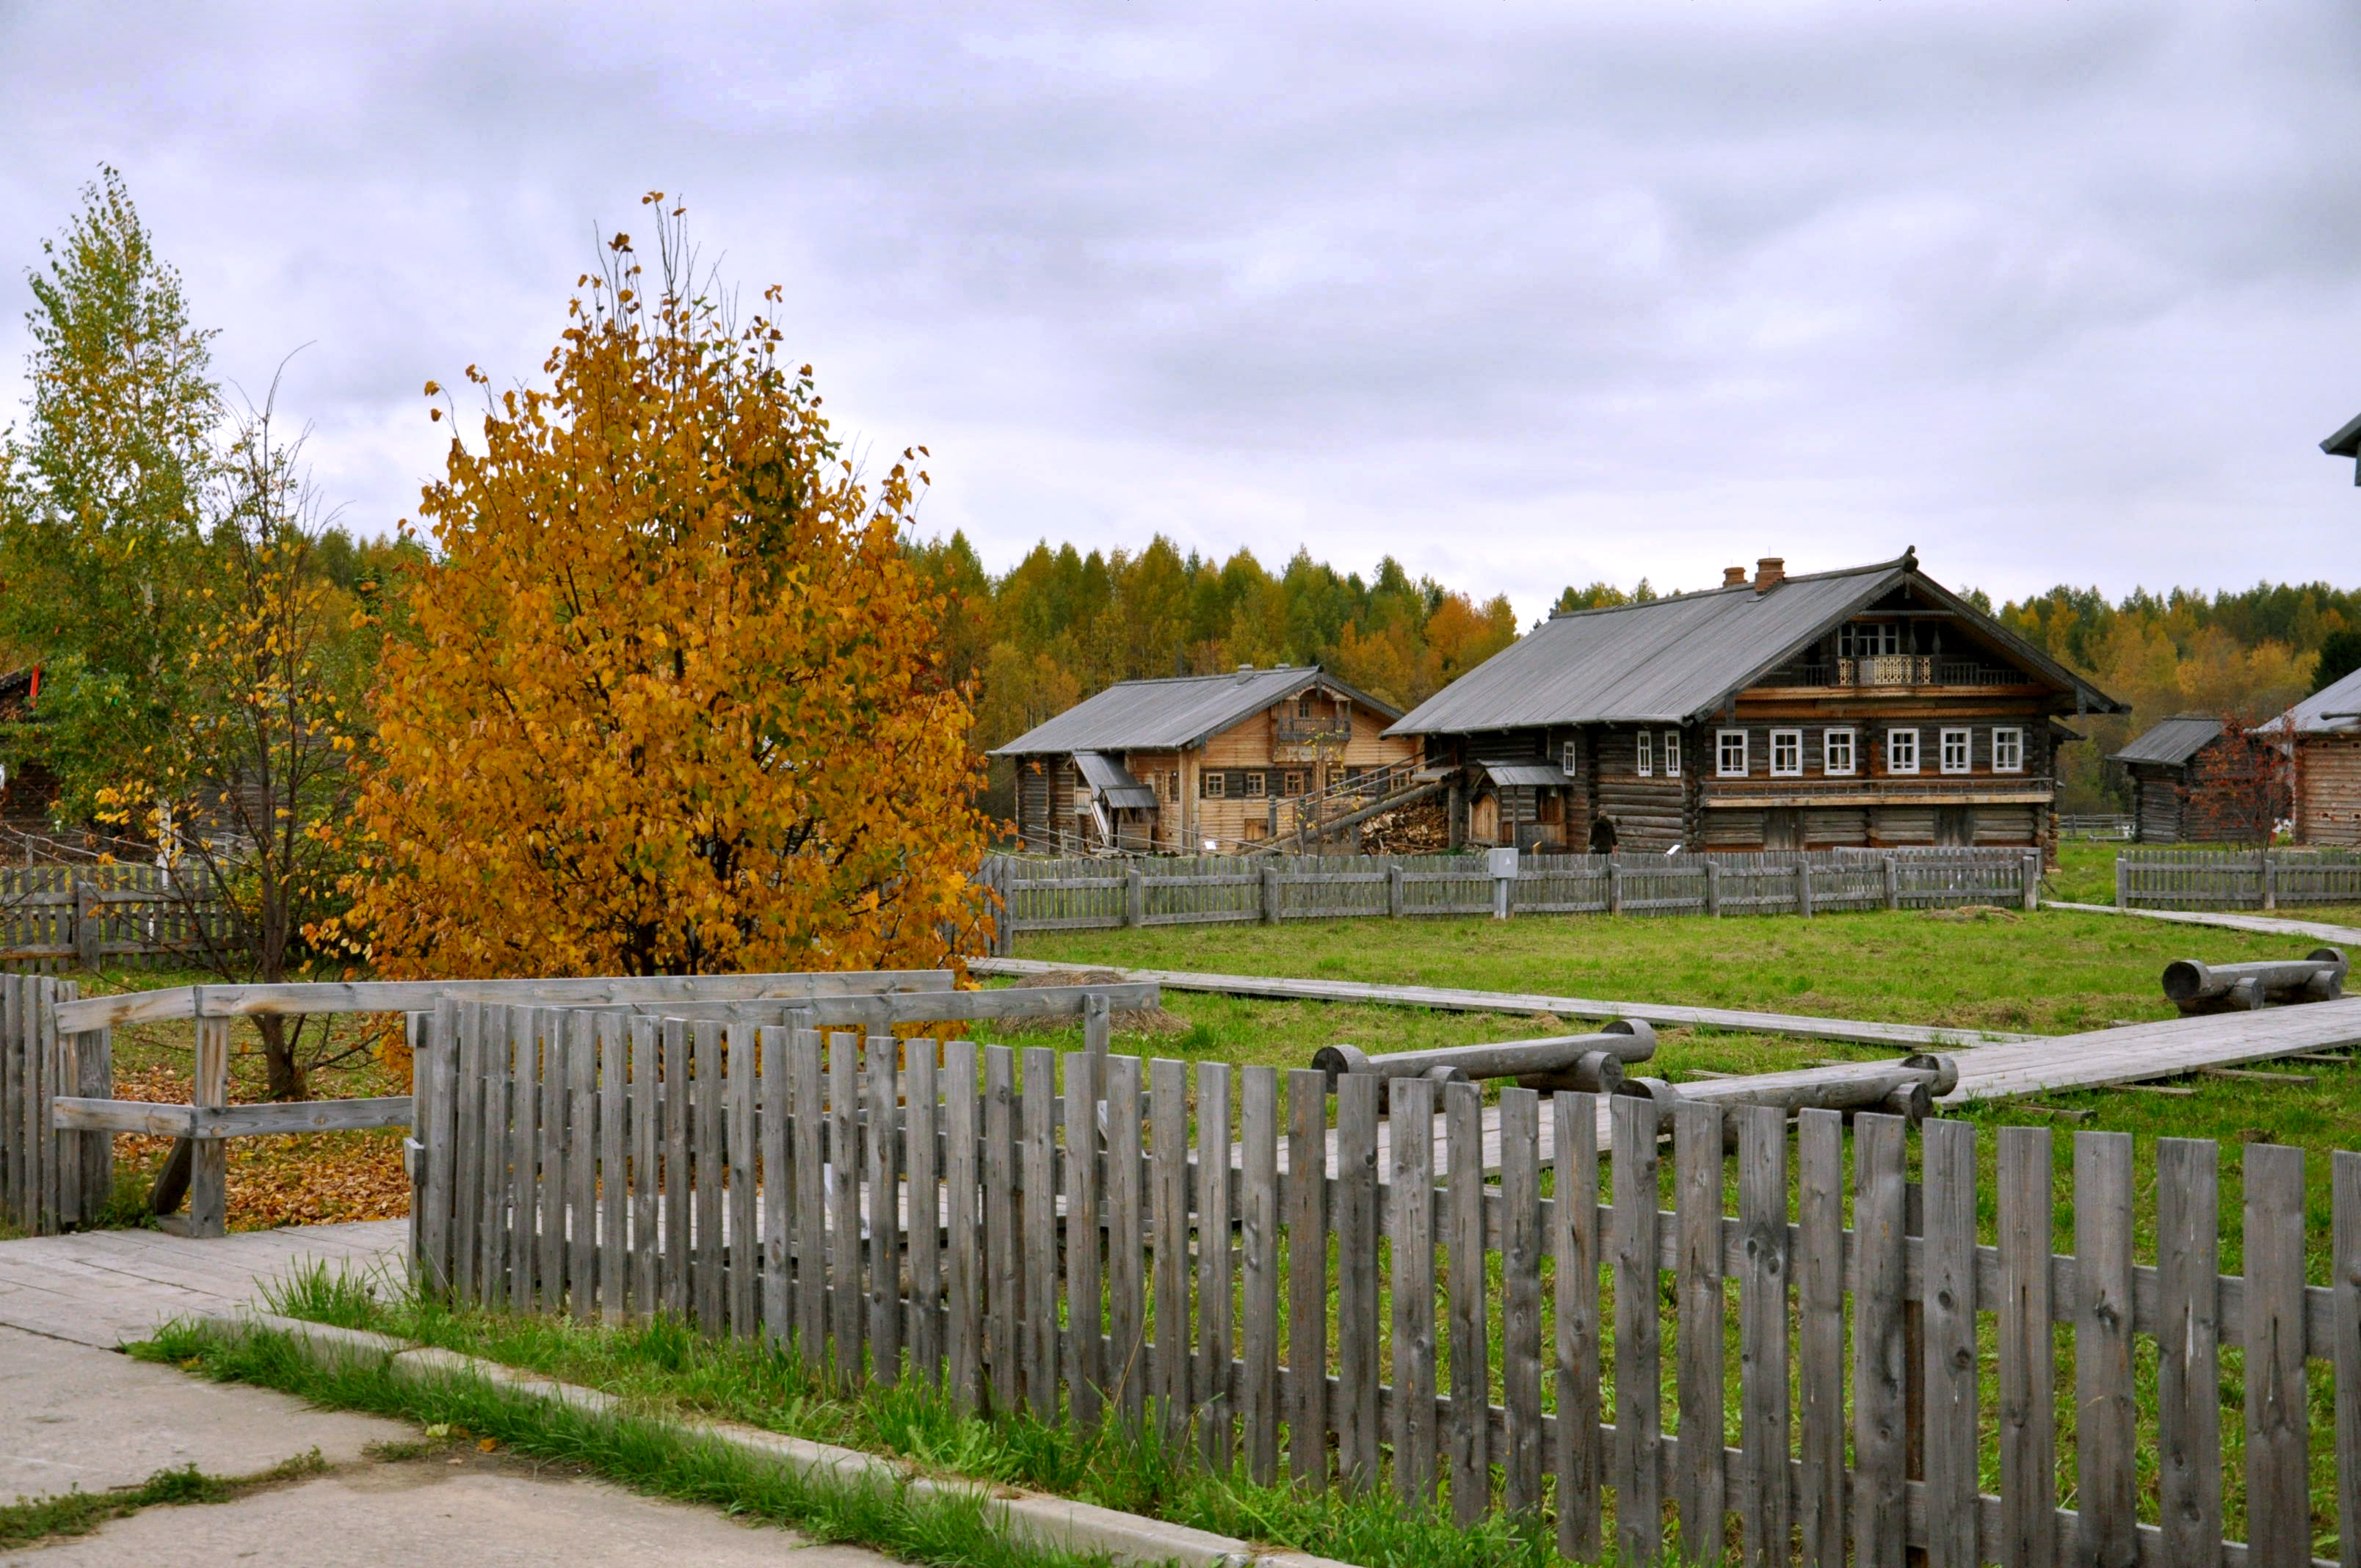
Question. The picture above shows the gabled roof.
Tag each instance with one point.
(2346, 443)
(2334, 709)
(1144, 716)
(2172, 742)
(1670, 661)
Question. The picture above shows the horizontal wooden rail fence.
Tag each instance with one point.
(86, 916)
(1067, 894)
(2180, 878)
(1100, 1237)
(58, 1116)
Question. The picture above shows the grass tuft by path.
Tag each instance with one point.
(31, 1520)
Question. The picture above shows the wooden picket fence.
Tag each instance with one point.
(1085, 893)
(50, 1181)
(55, 918)
(2174, 877)
(1102, 1238)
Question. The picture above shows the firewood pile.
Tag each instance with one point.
(1422, 827)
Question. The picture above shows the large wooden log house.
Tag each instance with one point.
(1199, 762)
(1871, 707)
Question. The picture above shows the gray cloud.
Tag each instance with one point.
(1530, 294)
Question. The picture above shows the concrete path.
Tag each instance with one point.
(75, 1412)
(105, 1288)
(2270, 925)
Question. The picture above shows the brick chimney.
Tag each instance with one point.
(1769, 572)
(1733, 576)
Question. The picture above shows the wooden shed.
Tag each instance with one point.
(2198, 781)
(2319, 740)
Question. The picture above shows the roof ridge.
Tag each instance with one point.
(1907, 560)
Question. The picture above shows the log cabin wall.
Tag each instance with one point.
(2159, 795)
(1266, 758)
(1650, 811)
(1874, 806)
(2328, 789)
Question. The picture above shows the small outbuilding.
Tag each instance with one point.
(2193, 782)
(2319, 742)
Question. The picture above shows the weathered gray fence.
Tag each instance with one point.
(83, 916)
(2176, 877)
(50, 1180)
(1066, 894)
(1102, 1238)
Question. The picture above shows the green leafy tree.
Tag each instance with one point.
(100, 526)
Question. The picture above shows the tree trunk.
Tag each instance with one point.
(285, 1075)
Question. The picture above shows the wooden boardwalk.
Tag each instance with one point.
(2133, 1053)
(107, 1288)
(2268, 925)
(1447, 999)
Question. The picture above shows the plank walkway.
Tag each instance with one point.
(1448, 999)
(2268, 925)
(2133, 1053)
(107, 1288)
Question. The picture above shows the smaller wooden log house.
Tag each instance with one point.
(1870, 707)
(1196, 761)
(2319, 740)
(2197, 781)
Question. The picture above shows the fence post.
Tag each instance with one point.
(2270, 882)
(1614, 888)
(2032, 864)
(1804, 886)
(209, 1157)
(1893, 868)
(1397, 893)
(2123, 882)
(1713, 888)
(1134, 896)
(89, 922)
(1270, 895)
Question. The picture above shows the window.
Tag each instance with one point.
(1294, 784)
(1217, 786)
(1731, 747)
(1647, 742)
(1836, 752)
(1955, 750)
(1786, 753)
(1566, 757)
(1671, 753)
(1256, 785)
(2009, 750)
(1901, 751)
(1303, 707)
(1869, 639)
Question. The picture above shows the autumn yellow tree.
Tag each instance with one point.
(671, 705)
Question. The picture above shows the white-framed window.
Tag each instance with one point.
(1836, 752)
(1671, 753)
(1729, 754)
(1217, 786)
(1956, 756)
(1567, 755)
(1868, 639)
(2009, 750)
(1901, 751)
(1647, 762)
(1293, 783)
(1786, 753)
(1256, 783)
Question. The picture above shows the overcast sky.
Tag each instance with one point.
(1521, 294)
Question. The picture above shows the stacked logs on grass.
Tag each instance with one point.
(1907, 1088)
(2198, 988)
(1594, 1063)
